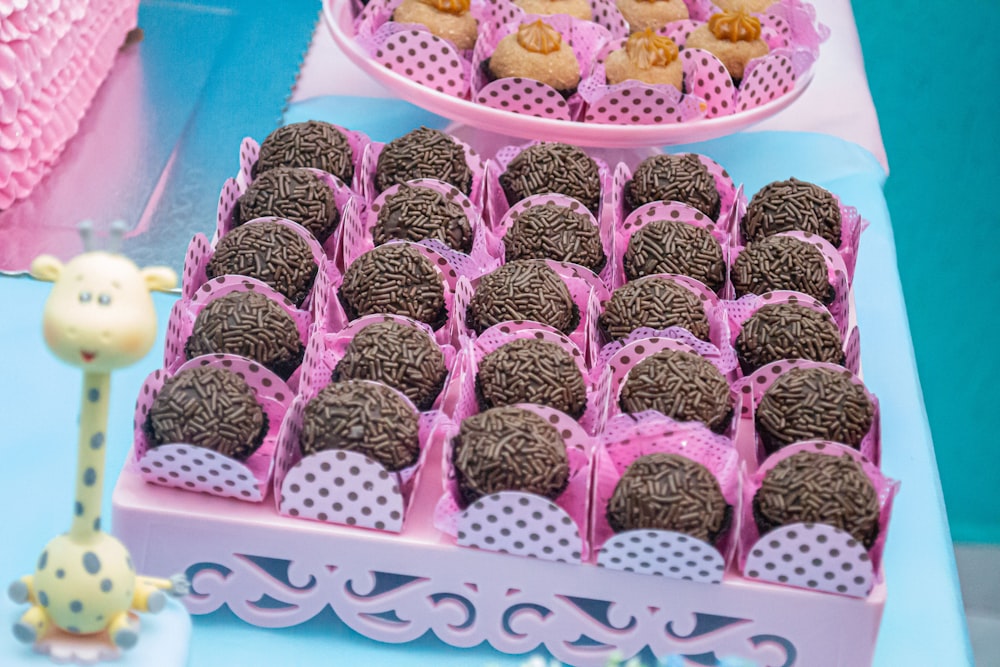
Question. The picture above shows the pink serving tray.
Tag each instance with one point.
(340, 20)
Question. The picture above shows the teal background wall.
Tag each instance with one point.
(941, 128)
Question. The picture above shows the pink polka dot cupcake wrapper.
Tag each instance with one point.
(502, 227)
(476, 164)
(669, 210)
(837, 273)
(814, 556)
(527, 96)
(359, 239)
(326, 350)
(193, 468)
(346, 487)
(185, 312)
(741, 310)
(718, 344)
(200, 253)
(753, 387)
(250, 150)
(521, 523)
(797, 21)
(498, 206)
(628, 437)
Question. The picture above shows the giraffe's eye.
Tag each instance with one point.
(104, 299)
(85, 297)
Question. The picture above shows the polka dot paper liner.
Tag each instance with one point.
(753, 387)
(250, 150)
(193, 468)
(663, 553)
(812, 556)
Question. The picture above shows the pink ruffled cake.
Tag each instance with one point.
(54, 55)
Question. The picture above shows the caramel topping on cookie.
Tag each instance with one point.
(539, 37)
(735, 26)
(449, 6)
(646, 49)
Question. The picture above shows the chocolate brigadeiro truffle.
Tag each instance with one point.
(551, 231)
(313, 144)
(401, 356)
(395, 279)
(269, 252)
(786, 206)
(423, 153)
(536, 51)
(416, 213)
(528, 370)
(209, 407)
(669, 492)
(808, 487)
(670, 246)
(553, 168)
(509, 449)
(523, 290)
(654, 302)
(298, 195)
(813, 404)
(788, 331)
(681, 385)
(365, 417)
(782, 263)
(250, 325)
(680, 178)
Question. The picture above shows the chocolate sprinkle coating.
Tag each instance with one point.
(553, 168)
(313, 144)
(813, 404)
(680, 178)
(509, 449)
(209, 407)
(269, 252)
(786, 206)
(423, 153)
(298, 195)
(523, 290)
(365, 417)
(250, 325)
(395, 279)
(670, 246)
(663, 491)
(417, 213)
(654, 302)
(403, 357)
(528, 370)
(681, 385)
(555, 232)
(788, 331)
(782, 263)
(808, 487)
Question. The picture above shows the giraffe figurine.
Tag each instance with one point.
(99, 317)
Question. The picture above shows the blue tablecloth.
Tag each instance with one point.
(923, 623)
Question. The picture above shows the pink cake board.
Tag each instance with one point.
(275, 571)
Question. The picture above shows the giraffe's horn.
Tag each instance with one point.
(117, 234)
(86, 230)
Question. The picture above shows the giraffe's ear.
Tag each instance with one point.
(47, 268)
(159, 278)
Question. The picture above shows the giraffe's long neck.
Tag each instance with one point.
(90, 456)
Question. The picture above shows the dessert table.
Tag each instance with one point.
(830, 136)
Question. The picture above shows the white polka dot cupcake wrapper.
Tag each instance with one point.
(663, 553)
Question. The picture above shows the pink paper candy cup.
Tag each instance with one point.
(193, 468)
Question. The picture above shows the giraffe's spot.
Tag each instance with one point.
(43, 560)
(76, 606)
(43, 598)
(93, 395)
(91, 563)
(79, 508)
(89, 476)
(105, 585)
(97, 524)
(97, 440)
(60, 573)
